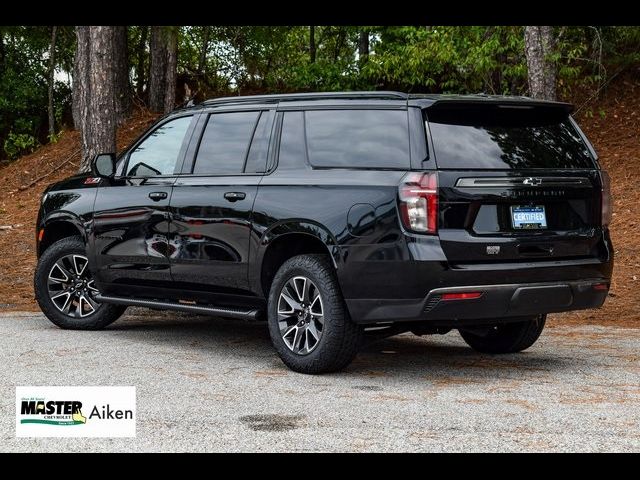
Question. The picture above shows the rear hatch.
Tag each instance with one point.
(516, 183)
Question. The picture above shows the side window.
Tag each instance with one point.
(257, 158)
(358, 138)
(159, 152)
(292, 144)
(225, 142)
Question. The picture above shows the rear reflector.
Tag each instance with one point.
(600, 286)
(40, 234)
(461, 296)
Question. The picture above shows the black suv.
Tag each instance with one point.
(336, 214)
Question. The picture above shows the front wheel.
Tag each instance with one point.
(308, 322)
(65, 289)
(506, 338)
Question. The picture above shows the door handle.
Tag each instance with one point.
(157, 196)
(235, 196)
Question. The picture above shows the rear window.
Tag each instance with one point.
(506, 138)
(358, 138)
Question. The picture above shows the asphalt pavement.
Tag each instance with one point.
(207, 384)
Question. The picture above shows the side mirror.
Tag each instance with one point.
(104, 165)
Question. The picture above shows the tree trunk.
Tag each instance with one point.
(51, 79)
(172, 72)
(81, 86)
(202, 62)
(144, 32)
(157, 68)
(2, 51)
(121, 73)
(363, 46)
(312, 44)
(339, 42)
(539, 45)
(101, 124)
(240, 74)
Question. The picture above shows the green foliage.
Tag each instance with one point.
(231, 60)
(17, 144)
(620, 45)
(259, 59)
(450, 59)
(23, 85)
(54, 138)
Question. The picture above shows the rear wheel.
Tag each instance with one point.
(308, 322)
(505, 338)
(65, 289)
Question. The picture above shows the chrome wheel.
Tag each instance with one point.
(300, 315)
(71, 288)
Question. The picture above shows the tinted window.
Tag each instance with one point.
(358, 138)
(159, 152)
(292, 146)
(257, 158)
(224, 143)
(502, 138)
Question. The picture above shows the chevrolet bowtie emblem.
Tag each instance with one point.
(532, 181)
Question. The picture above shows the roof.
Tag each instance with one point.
(276, 98)
(421, 100)
(432, 99)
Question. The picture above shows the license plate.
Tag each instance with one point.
(528, 218)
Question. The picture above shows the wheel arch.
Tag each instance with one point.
(285, 240)
(59, 226)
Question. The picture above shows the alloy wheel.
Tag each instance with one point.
(71, 288)
(300, 315)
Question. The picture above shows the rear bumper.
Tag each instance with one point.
(495, 302)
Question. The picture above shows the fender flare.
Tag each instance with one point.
(68, 217)
(286, 227)
(301, 226)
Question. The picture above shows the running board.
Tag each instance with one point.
(250, 314)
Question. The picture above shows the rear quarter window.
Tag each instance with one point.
(506, 138)
(358, 138)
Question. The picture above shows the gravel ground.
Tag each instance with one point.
(216, 385)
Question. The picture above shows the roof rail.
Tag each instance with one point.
(305, 96)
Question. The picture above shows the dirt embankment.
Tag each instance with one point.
(21, 184)
(611, 122)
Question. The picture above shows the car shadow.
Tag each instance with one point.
(433, 352)
(402, 356)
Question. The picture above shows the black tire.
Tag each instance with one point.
(340, 337)
(102, 315)
(506, 338)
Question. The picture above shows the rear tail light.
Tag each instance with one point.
(418, 194)
(607, 205)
